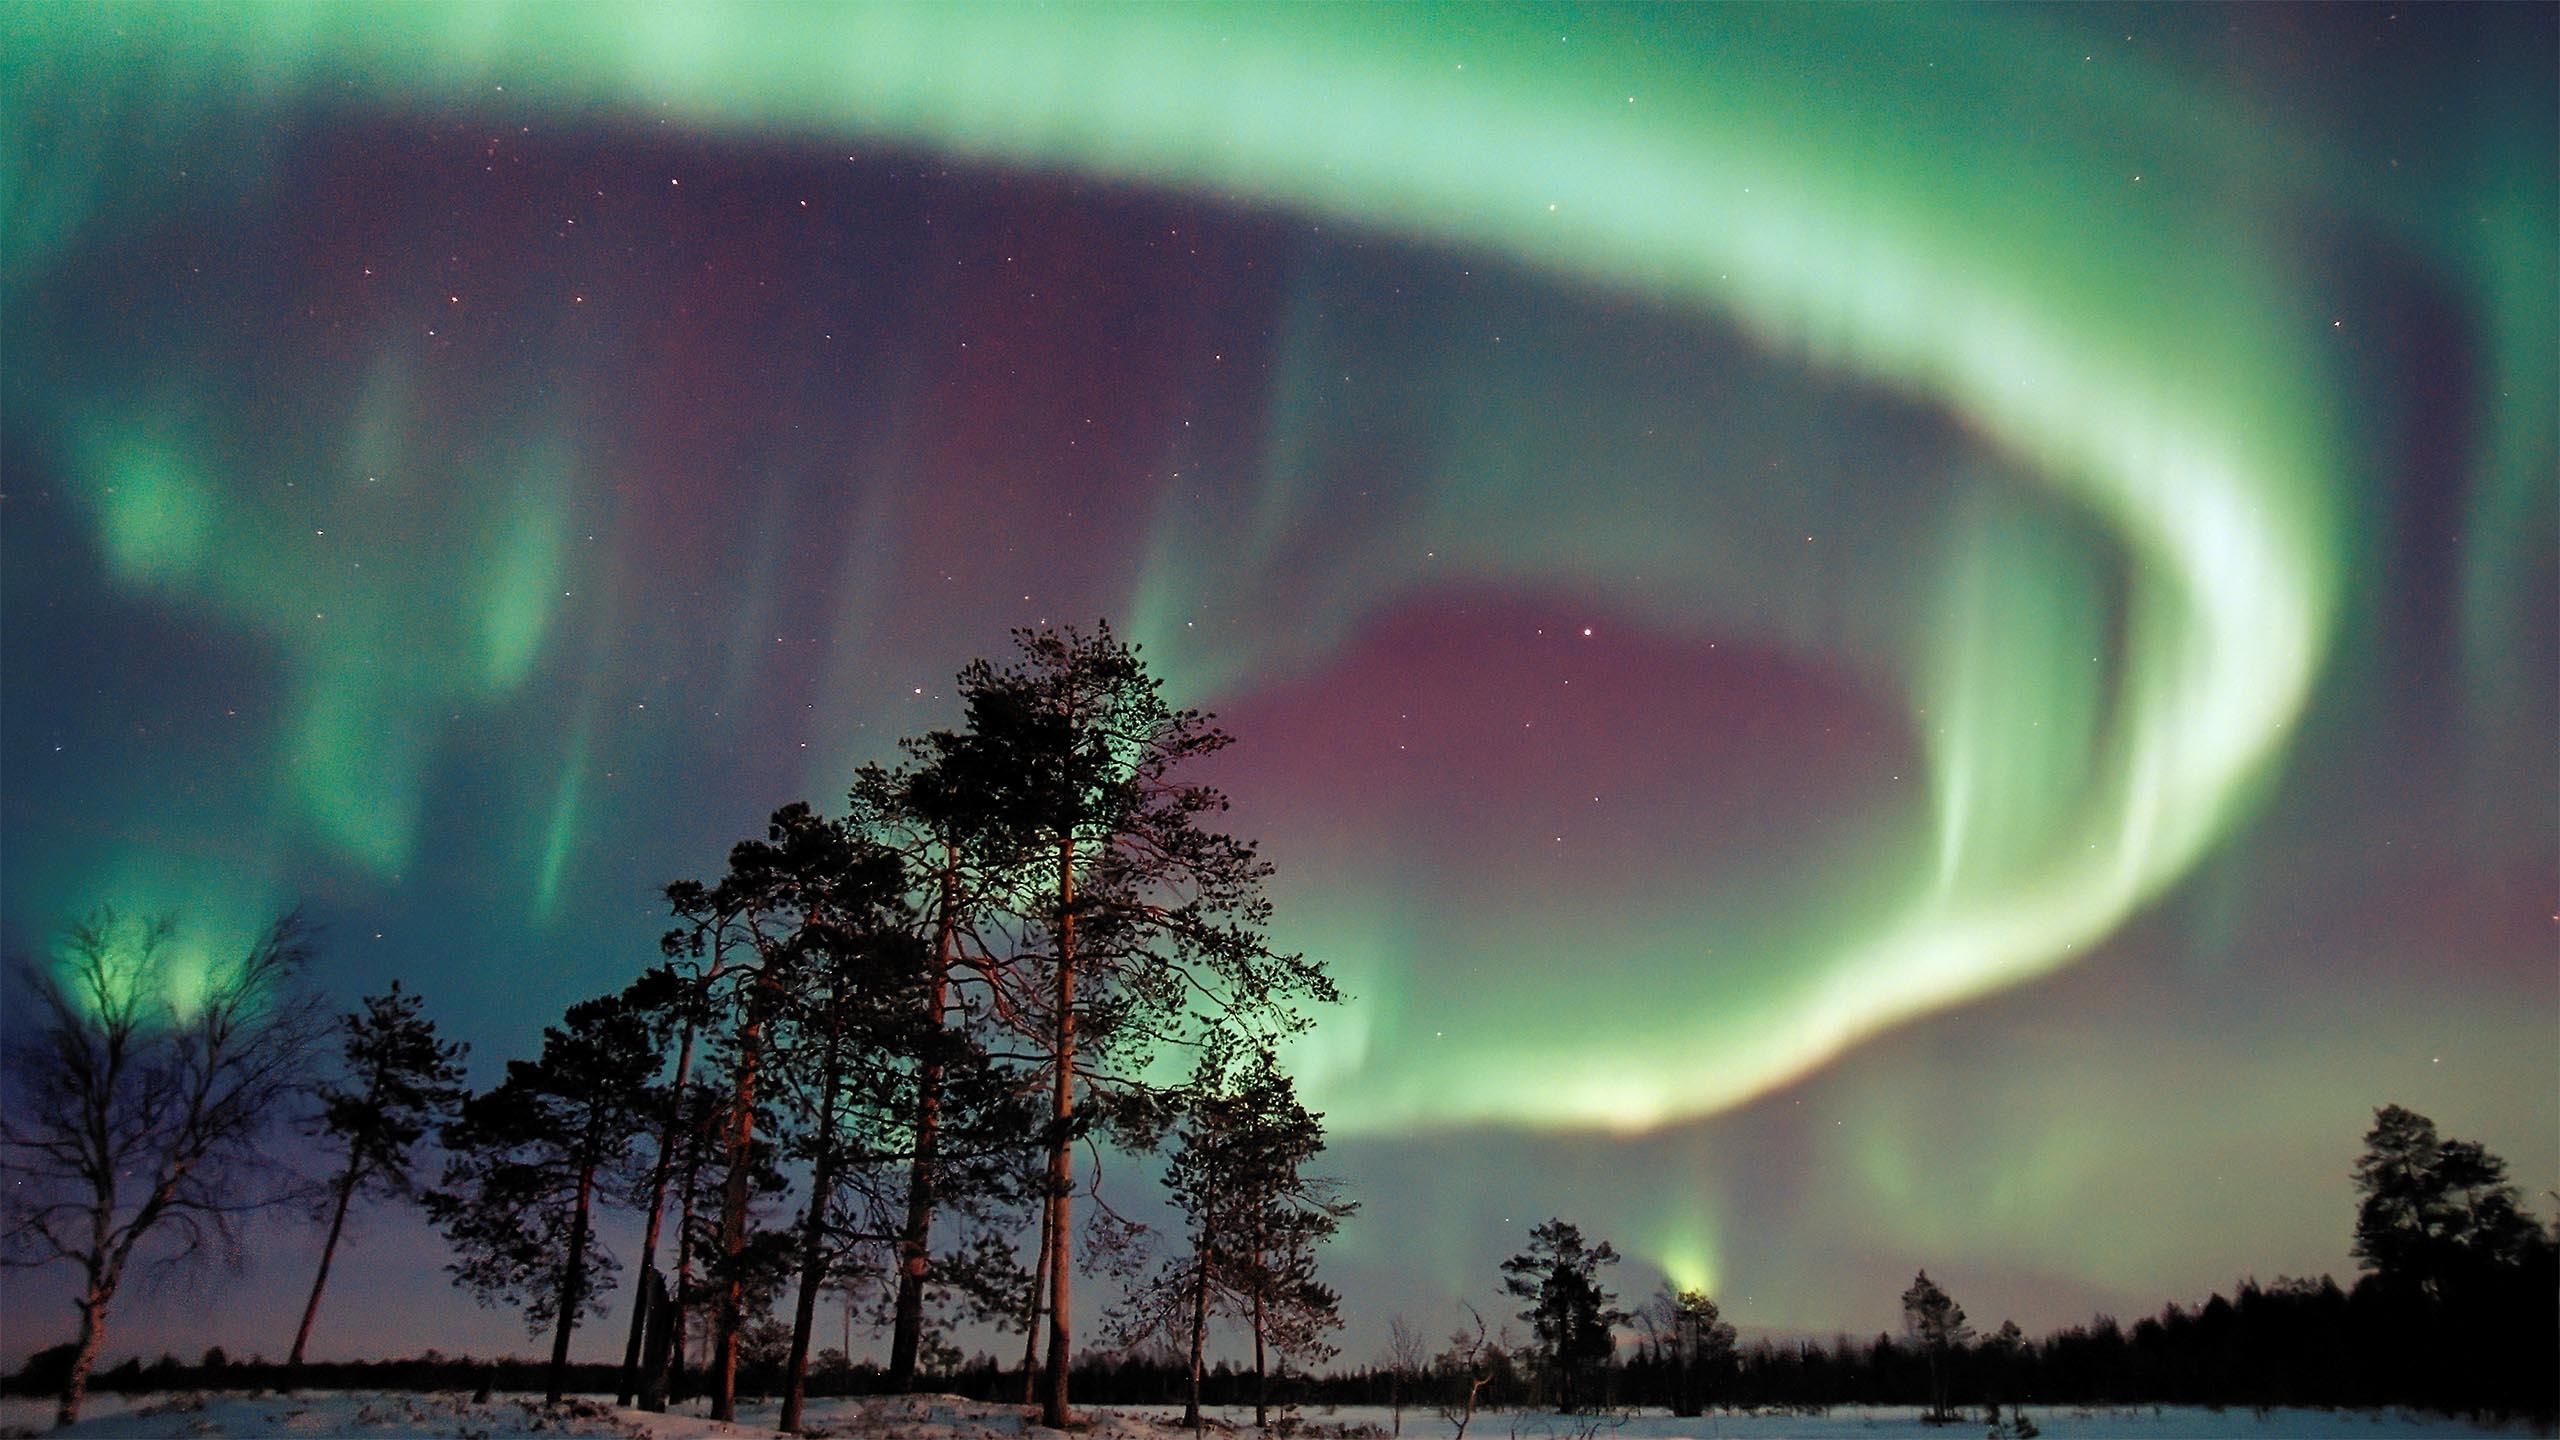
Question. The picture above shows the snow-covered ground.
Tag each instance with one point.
(1884, 1422)
(373, 1416)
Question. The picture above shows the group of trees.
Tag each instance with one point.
(145, 1091)
(867, 1062)
(1254, 1218)
(1024, 942)
(1570, 1363)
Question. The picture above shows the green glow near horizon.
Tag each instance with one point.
(2141, 347)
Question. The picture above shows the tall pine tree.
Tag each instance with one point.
(1570, 1312)
(759, 928)
(398, 1082)
(1275, 1216)
(965, 1121)
(2433, 1212)
(1692, 1337)
(534, 1158)
(1147, 925)
(1937, 1324)
(843, 1049)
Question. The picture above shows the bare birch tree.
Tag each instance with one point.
(139, 1094)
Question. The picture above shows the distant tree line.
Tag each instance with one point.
(2458, 1310)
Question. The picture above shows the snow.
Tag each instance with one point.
(321, 1415)
(1902, 1422)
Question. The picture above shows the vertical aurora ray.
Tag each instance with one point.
(561, 834)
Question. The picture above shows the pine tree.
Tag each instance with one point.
(1938, 1324)
(1254, 1220)
(758, 927)
(2004, 1352)
(698, 1185)
(399, 1082)
(966, 1119)
(1277, 1216)
(1571, 1314)
(2404, 1217)
(846, 1042)
(533, 1159)
(2433, 1209)
(672, 1001)
(1693, 1338)
(1145, 922)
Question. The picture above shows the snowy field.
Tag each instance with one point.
(323, 1415)
(1884, 1422)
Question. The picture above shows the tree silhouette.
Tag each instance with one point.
(532, 1158)
(672, 1001)
(845, 1043)
(1237, 1177)
(1937, 1324)
(759, 927)
(1691, 1335)
(2003, 1352)
(698, 1183)
(1275, 1216)
(1146, 925)
(966, 1119)
(139, 1095)
(1569, 1311)
(399, 1082)
(1464, 1370)
(2458, 1309)
(2433, 1209)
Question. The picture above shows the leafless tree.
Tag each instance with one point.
(141, 1081)
(1464, 1369)
(1405, 1358)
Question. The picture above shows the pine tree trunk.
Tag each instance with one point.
(915, 1245)
(1684, 1328)
(659, 1386)
(733, 1215)
(1199, 1335)
(1261, 1380)
(1053, 1401)
(626, 1386)
(1031, 1309)
(813, 1244)
(84, 1355)
(658, 1177)
(572, 1286)
(328, 1252)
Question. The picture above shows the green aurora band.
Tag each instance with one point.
(2128, 329)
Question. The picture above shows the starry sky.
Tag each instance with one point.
(1869, 637)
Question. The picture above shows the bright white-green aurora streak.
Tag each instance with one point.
(1696, 181)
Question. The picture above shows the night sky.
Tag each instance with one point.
(1870, 638)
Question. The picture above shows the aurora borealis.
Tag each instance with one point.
(1870, 637)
